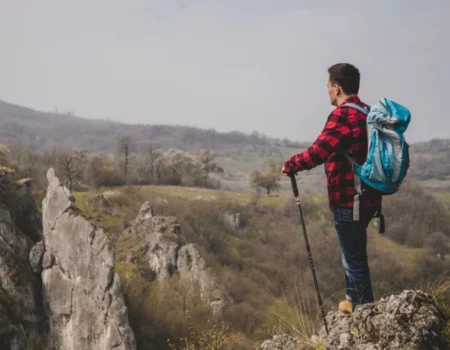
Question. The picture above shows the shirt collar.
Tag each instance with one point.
(351, 99)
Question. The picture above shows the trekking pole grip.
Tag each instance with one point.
(294, 185)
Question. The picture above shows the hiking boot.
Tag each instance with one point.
(346, 306)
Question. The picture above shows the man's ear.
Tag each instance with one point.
(338, 89)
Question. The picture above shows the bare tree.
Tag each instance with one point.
(124, 148)
(268, 180)
(208, 165)
(5, 155)
(51, 157)
(152, 156)
(71, 165)
(266, 230)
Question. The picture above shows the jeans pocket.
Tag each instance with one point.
(342, 215)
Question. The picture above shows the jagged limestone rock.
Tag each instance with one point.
(12, 336)
(35, 256)
(21, 317)
(56, 202)
(233, 220)
(409, 320)
(11, 235)
(47, 260)
(82, 293)
(146, 211)
(406, 321)
(192, 266)
(160, 240)
(280, 342)
(161, 255)
(163, 248)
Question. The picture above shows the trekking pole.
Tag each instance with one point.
(308, 249)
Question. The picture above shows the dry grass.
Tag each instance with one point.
(439, 289)
(293, 314)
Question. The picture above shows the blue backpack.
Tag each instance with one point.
(388, 152)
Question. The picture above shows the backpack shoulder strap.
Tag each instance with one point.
(355, 106)
(357, 179)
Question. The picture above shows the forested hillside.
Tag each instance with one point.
(41, 130)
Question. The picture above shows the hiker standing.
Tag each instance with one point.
(353, 204)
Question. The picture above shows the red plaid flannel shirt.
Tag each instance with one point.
(345, 129)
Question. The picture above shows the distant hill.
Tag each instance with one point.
(42, 130)
(431, 160)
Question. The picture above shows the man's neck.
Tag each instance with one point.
(342, 98)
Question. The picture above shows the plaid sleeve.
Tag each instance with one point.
(333, 135)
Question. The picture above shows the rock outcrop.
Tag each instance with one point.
(192, 266)
(233, 220)
(281, 342)
(410, 320)
(165, 251)
(81, 291)
(160, 240)
(407, 321)
(21, 316)
(35, 257)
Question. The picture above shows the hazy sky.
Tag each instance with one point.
(225, 64)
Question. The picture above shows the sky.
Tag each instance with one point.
(247, 65)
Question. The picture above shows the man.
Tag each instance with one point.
(345, 130)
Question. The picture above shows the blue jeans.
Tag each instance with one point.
(352, 237)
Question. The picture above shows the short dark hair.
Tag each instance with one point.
(346, 76)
